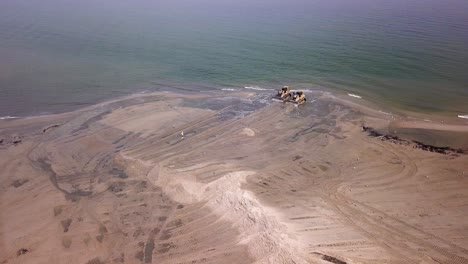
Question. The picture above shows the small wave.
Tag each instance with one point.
(228, 89)
(354, 95)
(463, 116)
(7, 117)
(257, 88)
(302, 90)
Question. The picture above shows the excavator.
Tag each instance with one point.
(285, 95)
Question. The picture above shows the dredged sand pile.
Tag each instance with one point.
(248, 182)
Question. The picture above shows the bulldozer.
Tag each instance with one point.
(298, 98)
(283, 94)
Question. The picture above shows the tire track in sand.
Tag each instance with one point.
(391, 233)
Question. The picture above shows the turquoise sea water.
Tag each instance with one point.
(56, 55)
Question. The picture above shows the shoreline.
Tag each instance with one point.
(419, 119)
(442, 131)
(389, 109)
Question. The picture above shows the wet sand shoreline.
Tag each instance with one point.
(248, 181)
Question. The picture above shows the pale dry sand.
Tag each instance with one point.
(250, 181)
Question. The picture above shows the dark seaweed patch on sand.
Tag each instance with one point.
(416, 144)
(329, 258)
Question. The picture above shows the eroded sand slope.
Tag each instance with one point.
(248, 182)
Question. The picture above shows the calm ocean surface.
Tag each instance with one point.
(58, 55)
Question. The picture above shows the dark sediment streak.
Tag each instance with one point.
(53, 179)
(417, 144)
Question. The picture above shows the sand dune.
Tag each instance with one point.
(248, 181)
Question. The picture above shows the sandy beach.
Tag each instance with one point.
(232, 178)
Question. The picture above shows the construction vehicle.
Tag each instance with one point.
(283, 94)
(298, 98)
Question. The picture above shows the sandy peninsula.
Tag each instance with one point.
(232, 178)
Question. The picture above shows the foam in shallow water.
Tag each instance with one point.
(8, 117)
(354, 95)
(257, 88)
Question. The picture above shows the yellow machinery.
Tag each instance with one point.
(298, 98)
(284, 93)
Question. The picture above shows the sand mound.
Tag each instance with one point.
(260, 231)
(248, 132)
(263, 234)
